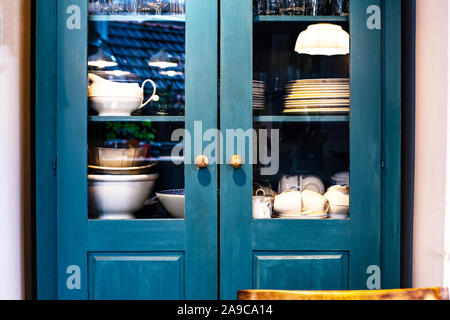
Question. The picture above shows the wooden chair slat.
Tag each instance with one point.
(398, 294)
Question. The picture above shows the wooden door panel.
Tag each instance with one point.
(136, 277)
(190, 274)
(297, 271)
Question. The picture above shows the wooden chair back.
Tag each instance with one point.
(400, 294)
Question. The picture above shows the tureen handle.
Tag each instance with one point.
(153, 95)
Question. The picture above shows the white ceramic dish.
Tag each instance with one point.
(304, 217)
(111, 98)
(301, 183)
(339, 212)
(117, 158)
(173, 201)
(122, 171)
(114, 106)
(339, 198)
(117, 197)
(341, 178)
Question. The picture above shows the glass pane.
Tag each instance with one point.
(136, 101)
(301, 107)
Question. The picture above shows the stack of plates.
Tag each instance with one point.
(259, 95)
(317, 96)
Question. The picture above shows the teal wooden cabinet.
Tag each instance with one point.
(140, 202)
(316, 139)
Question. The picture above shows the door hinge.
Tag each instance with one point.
(382, 164)
(55, 163)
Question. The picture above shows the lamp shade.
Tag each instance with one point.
(163, 60)
(102, 58)
(323, 39)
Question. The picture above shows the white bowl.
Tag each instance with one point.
(114, 106)
(339, 212)
(117, 157)
(117, 197)
(173, 201)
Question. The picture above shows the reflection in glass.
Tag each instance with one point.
(157, 5)
(136, 72)
(305, 97)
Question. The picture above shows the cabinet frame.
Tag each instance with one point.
(46, 146)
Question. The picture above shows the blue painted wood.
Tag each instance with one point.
(300, 271)
(138, 119)
(72, 145)
(301, 119)
(291, 235)
(45, 149)
(136, 235)
(365, 144)
(301, 18)
(201, 185)
(392, 109)
(143, 276)
(196, 236)
(236, 113)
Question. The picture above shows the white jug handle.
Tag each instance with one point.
(260, 192)
(153, 95)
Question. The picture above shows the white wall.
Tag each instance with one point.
(11, 226)
(432, 172)
(14, 148)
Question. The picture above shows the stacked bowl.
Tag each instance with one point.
(119, 179)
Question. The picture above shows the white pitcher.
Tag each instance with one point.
(110, 98)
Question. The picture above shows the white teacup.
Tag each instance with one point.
(289, 202)
(314, 202)
(301, 183)
(313, 183)
(265, 191)
(339, 198)
(290, 183)
(262, 207)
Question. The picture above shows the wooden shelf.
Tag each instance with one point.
(138, 17)
(305, 118)
(302, 19)
(137, 119)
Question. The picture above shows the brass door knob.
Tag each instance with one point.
(236, 161)
(202, 162)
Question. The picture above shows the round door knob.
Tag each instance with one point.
(236, 161)
(202, 162)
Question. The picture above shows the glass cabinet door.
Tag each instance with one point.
(132, 206)
(301, 90)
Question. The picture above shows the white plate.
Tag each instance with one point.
(318, 110)
(304, 217)
(316, 106)
(122, 171)
(323, 80)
